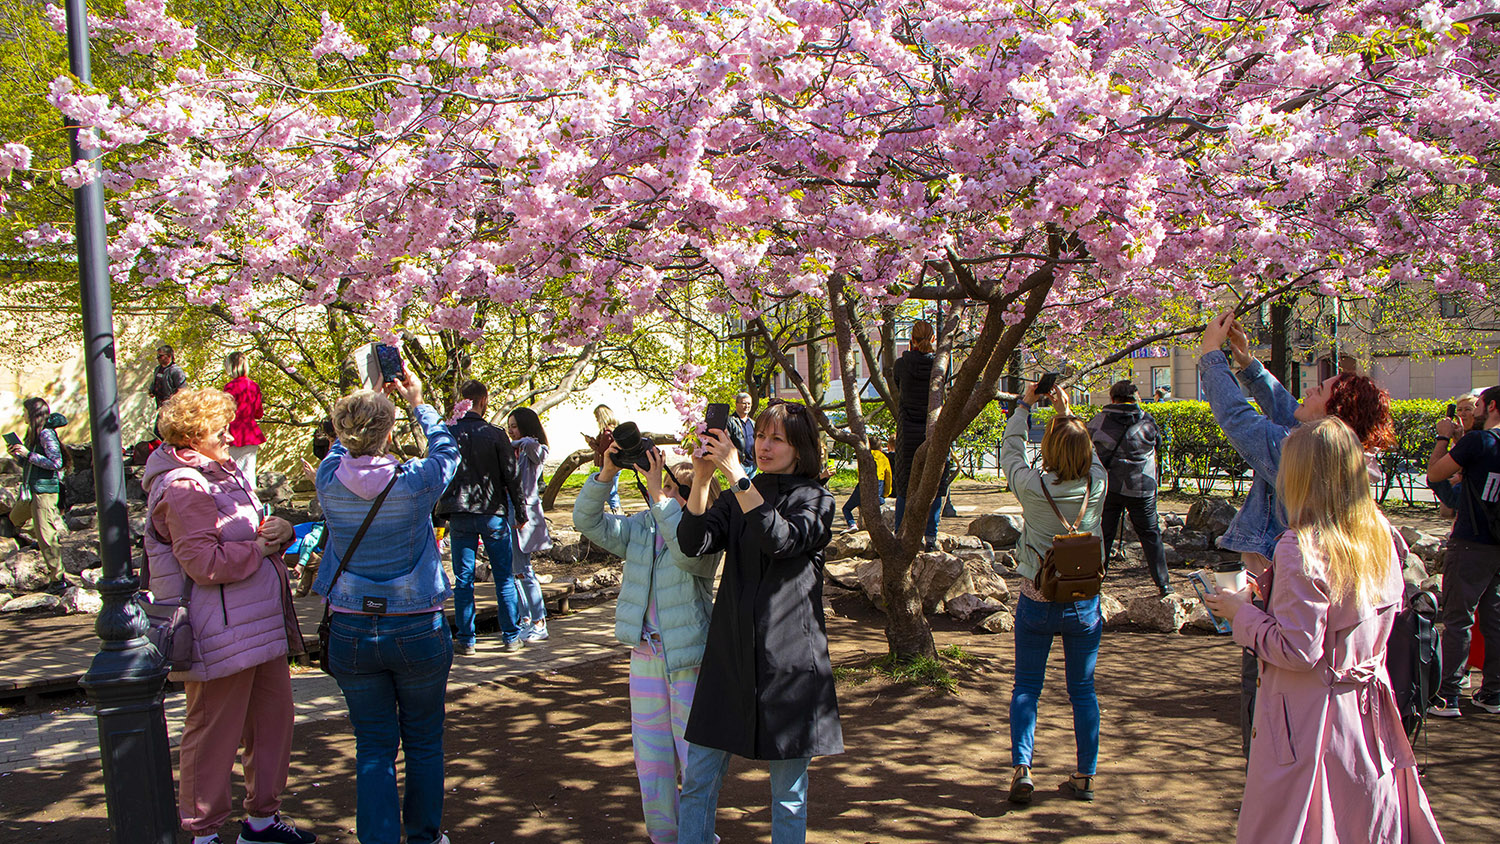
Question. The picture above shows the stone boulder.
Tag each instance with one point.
(91, 577)
(1429, 546)
(1163, 615)
(850, 546)
(1005, 559)
(8, 544)
(33, 601)
(1410, 534)
(1173, 556)
(7, 578)
(7, 499)
(1433, 584)
(1211, 516)
(1413, 571)
(80, 521)
(1199, 621)
(979, 579)
(608, 576)
(1191, 543)
(77, 601)
(934, 572)
(968, 605)
(27, 572)
(1001, 621)
(968, 548)
(568, 546)
(1000, 530)
(78, 557)
(275, 489)
(843, 573)
(1111, 611)
(1172, 519)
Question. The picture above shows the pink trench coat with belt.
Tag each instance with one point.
(1329, 761)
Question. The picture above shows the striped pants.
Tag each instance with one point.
(659, 705)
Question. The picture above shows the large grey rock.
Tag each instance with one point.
(133, 489)
(1413, 571)
(608, 576)
(848, 546)
(7, 578)
(80, 521)
(7, 499)
(1199, 620)
(77, 601)
(934, 572)
(1174, 557)
(28, 573)
(275, 489)
(33, 601)
(8, 544)
(979, 579)
(1410, 534)
(1428, 546)
(844, 573)
(91, 577)
(79, 557)
(1433, 584)
(1000, 530)
(1191, 543)
(568, 546)
(1211, 516)
(1164, 615)
(1001, 621)
(1111, 611)
(1172, 519)
(1005, 559)
(967, 606)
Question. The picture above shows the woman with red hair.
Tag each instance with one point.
(1257, 436)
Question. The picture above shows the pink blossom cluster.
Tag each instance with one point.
(611, 154)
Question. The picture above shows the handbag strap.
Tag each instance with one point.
(349, 552)
(1088, 488)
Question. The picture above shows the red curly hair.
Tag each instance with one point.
(1366, 407)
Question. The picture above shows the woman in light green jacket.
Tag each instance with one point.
(662, 612)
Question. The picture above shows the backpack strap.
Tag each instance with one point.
(1088, 488)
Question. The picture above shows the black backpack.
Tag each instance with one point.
(1413, 658)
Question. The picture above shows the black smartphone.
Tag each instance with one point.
(389, 359)
(12, 439)
(1452, 410)
(716, 417)
(1044, 387)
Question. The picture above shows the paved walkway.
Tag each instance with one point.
(56, 738)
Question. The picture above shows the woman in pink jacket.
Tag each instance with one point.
(209, 549)
(1329, 761)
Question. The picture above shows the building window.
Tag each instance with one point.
(1450, 306)
(1161, 376)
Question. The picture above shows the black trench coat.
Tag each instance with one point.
(766, 687)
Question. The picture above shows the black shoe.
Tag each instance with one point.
(281, 831)
(1488, 702)
(56, 587)
(929, 543)
(1443, 707)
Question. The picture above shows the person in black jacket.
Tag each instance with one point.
(913, 378)
(1125, 438)
(483, 491)
(168, 377)
(765, 690)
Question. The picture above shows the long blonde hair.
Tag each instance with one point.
(1324, 485)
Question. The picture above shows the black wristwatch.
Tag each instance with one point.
(743, 484)
(1443, 438)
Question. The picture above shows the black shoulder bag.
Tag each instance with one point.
(325, 626)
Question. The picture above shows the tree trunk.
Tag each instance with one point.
(564, 471)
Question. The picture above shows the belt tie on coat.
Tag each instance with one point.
(1383, 718)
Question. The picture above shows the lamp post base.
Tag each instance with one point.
(126, 684)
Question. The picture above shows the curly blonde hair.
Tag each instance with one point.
(363, 420)
(194, 416)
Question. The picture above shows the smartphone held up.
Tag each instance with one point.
(1044, 388)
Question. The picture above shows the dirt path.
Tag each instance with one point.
(547, 758)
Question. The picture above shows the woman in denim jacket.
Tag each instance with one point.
(1257, 436)
(662, 613)
(390, 648)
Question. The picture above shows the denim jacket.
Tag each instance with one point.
(396, 568)
(1258, 439)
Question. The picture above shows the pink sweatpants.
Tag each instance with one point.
(253, 708)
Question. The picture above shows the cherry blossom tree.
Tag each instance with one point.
(1053, 162)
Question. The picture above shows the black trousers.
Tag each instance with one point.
(1471, 590)
(1143, 518)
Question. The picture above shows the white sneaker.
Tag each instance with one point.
(536, 632)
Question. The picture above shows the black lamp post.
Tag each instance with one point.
(128, 676)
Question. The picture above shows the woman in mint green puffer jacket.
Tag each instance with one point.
(662, 612)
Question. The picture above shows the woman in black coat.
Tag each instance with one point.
(765, 690)
(913, 381)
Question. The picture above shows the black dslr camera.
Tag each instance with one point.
(632, 447)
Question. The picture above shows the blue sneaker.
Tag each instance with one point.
(536, 632)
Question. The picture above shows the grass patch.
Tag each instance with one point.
(913, 671)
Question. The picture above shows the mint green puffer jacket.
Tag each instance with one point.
(683, 585)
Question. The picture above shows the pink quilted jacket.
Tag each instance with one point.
(203, 521)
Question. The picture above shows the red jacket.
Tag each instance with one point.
(247, 409)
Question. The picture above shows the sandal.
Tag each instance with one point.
(1020, 785)
(1079, 787)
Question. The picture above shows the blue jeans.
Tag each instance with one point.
(531, 604)
(703, 776)
(465, 530)
(1037, 622)
(393, 670)
(933, 515)
(614, 494)
(854, 501)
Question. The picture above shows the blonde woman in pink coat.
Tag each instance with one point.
(1329, 761)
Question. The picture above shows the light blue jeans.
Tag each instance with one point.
(531, 605)
(1081, 627)
(704, 776)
